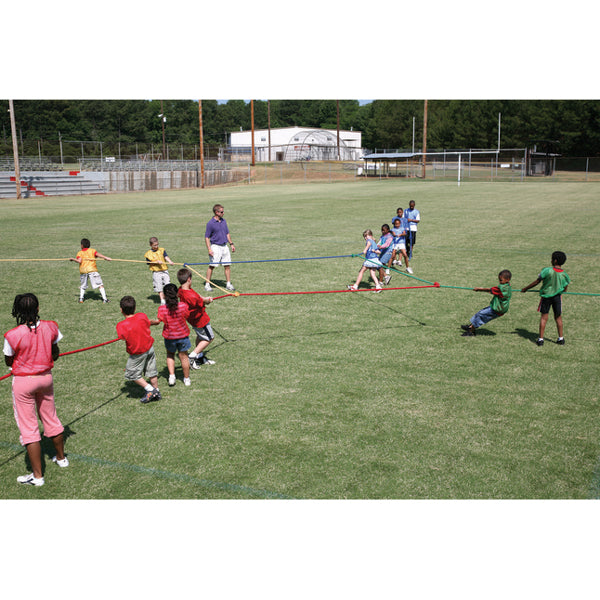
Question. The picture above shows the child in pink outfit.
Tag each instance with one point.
(30, 350)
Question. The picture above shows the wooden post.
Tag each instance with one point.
(201, 144)
(425, 140)
(13, 130)
(252, 119)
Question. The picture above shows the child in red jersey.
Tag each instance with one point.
(198, 319)
(135, 330)
(176, 332)
(30, 349)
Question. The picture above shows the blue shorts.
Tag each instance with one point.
(181, 345)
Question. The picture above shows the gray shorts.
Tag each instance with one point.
(140, 364)
(205, 333)
(160, 279)
(93, 277)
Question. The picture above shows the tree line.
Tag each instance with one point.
(385, 124)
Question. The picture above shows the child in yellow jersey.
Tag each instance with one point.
(157, 260)
(88, 271)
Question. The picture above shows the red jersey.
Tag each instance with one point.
(198, 315)
(32, 348)
(135, 330)
(175, 327)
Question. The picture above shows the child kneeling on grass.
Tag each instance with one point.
(498, 306)
(176, 332)
(135, 330)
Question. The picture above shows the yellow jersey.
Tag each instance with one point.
(88, 260)
(152, 256)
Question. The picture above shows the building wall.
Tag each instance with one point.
(296, 143)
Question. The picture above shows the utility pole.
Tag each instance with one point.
(269, 125)
(337, 105)
(252, 119)
(162, 122)
(13, 130)
(201, 144)
(425, 140)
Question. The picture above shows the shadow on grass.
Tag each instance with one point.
(528, 335)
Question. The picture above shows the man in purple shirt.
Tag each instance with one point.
(216, 238)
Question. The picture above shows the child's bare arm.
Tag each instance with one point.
(102, 256)
(207, 300)
(154, 321)
(532, 284)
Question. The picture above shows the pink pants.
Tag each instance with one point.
(30, 393)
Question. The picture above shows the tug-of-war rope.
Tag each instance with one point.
(428, 284)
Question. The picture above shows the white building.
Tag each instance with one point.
(295, 143)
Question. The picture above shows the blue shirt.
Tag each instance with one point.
(412, 214)
(216, 231)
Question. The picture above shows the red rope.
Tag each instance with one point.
(74, 352)
(412, 287)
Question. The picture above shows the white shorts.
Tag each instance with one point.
(93, 277)
(221, 255)
(373, 263)
(400, 246)
(159, 280)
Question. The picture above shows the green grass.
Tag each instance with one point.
(326, 395)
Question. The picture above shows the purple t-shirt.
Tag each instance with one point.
(216, 231)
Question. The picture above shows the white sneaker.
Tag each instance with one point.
(387, 279)
(352, 288)
(377, 289)
(409, 270)
(61, 463)
(172, 380)
(207, 287)
(31, 480)
(229, 287)
(187, 381)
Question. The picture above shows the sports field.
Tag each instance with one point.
(321, 396)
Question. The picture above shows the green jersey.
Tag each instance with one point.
(554, 281)
(501, 299)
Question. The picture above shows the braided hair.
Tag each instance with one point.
(25, 310)
(171, 297)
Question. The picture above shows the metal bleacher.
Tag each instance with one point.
(36, 183)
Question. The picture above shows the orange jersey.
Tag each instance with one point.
(88, 260)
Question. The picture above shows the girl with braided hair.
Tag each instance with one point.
(176, 332)
(30, 350)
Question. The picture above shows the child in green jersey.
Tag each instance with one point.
(498, 306)
(554, 282)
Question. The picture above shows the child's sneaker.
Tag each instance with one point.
(195, 364)
(61, 463)
(146, 397)
(105, 301)
(560, 341)
(353, 288)
(156, 395)
(172, 380)
(187, 381)
(207, 287)
(229, 287)
(31, 480)
(409, 270)
(204, 360)
(387, 279)
(539, 342)
(377, 289)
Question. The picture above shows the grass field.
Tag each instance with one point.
(322, 396)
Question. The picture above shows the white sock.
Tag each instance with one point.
(103, 293)
(148, 388)
(193, 355)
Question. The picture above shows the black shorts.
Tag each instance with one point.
(555, 302)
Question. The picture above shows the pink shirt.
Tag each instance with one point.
(175, 327)
(32, 348)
